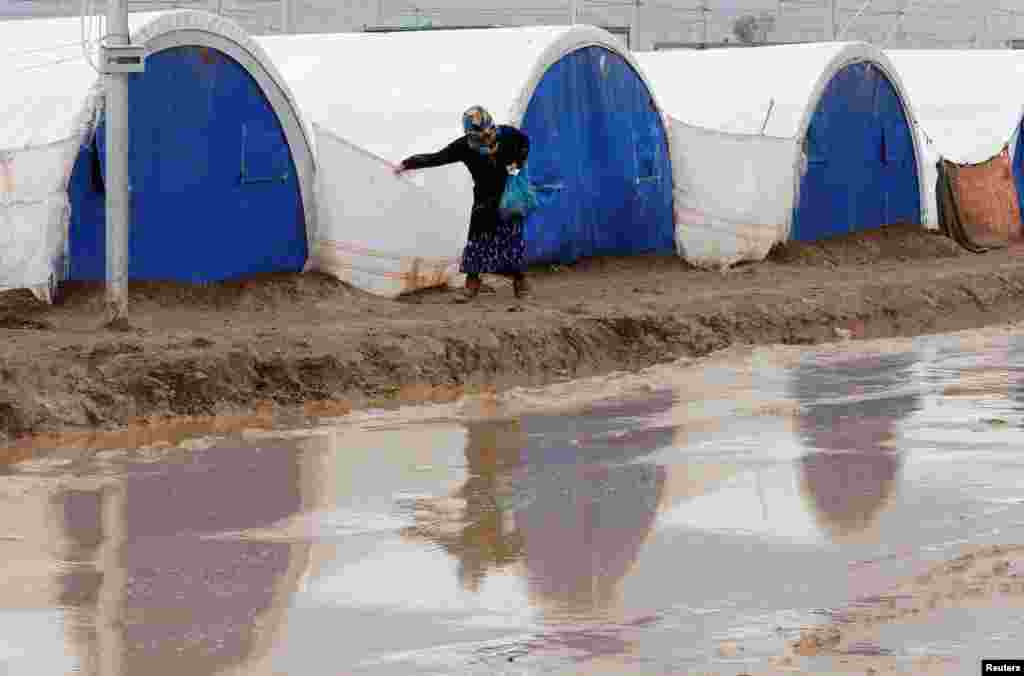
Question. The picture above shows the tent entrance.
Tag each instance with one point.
(213, 187)
(599, 157)
(861, 171)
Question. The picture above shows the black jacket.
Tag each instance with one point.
(489, 173)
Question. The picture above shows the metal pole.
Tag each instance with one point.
(777, 26)
(380, 13)
(835, 24)
(573, 12)
(634, 28)
(286, 19)
(118, 205)
(704, 17)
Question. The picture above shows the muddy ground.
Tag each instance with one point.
(284, 341)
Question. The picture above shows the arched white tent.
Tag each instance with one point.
(374, 99)
(50, 106)
(967, 101)
(970, 106)
(755, 131)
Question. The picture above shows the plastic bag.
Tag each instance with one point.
(519, 197)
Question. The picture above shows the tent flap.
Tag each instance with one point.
(979, 203)
(732, 194)
(34, 213)
(384, 235)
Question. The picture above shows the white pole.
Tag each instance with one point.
(286, 19)
(704, 17)
(634, 27)
(573, 13)
(834, 30)
(118, 205)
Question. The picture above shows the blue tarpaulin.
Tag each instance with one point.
(214, 192)
(861, 169)
(599, 158)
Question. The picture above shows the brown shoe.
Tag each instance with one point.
(521, 288)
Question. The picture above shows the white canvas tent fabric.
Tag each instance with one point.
(969, 105)
(49, 104)
(375, 99)
(738, 118)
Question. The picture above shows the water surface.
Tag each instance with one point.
(695, 519)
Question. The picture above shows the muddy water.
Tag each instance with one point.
(694, 518)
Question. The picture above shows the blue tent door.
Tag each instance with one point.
(214, 192)
(599, 156)
(861, 171)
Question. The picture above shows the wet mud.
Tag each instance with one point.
(287, 341)
(976, 579)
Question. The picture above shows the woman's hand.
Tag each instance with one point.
(399, 168)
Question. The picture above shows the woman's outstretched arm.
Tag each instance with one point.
(448, 155)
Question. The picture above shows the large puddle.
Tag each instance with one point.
(694, 518)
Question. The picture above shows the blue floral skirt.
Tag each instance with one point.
(500, 250)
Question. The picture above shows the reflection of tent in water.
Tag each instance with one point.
(566, 501)
(761, 499)
(848, 473)
(614, 431)
(582, 531)
(30, 622)
(163, 599)
(483, 541)
(562, 499)
(1015, 355)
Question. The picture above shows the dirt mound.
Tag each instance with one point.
(292, 339)
(983, 578)
(20, 302)
(21, 310)
(899, 242)
(15, 321)
(621, 264)
(264, 291)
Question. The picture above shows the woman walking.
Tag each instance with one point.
(495, 244)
